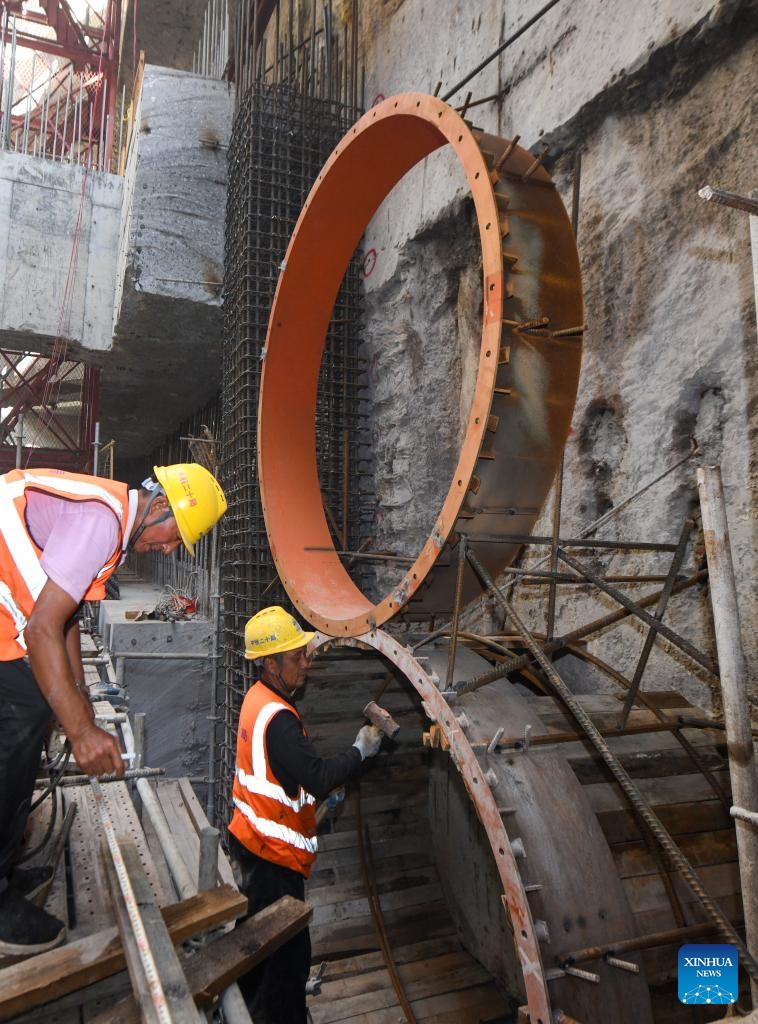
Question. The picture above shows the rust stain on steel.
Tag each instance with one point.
(530, 271)
(514, 897)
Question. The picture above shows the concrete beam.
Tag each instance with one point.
(57, 221)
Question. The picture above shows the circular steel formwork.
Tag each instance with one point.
(526, 379)
(475, 778)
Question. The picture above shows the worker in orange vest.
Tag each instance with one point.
(278, 778)
(62, 536)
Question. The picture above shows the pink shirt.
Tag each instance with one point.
(77, 538)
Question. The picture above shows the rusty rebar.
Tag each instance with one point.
(636, 609)
(596, 626)
(676, 858)
(663, 600)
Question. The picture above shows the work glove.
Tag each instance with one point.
(368, 741)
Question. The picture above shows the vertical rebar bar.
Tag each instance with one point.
(3, 27)
(65, 116)
(55, 123)
(28, 115)
(103, 101)
(11, 88)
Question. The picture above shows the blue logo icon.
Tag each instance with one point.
(707, 974)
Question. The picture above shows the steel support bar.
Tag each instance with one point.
(748, 204)
(128, 776)
(733, 677)
(663, 600)
(503, 46)
(636, 609)
(456, 612)
(676, 858)
(186, 886)
(522, 660)
(674, 936)
(162, 656)
(549, 738)
(565, 542)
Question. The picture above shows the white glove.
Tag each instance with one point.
(368, 741)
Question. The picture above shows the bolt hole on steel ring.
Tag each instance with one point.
(525, 378)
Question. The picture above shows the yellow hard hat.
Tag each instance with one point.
(273, 631)
(195, 497)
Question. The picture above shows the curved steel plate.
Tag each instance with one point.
(527, 371)
(514, 897)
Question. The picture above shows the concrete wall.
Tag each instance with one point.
(147, 260)
(173, 693)
(658, 98)
(40, 245)
(166, 348)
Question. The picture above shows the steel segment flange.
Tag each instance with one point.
(515, 900)
(524, 390)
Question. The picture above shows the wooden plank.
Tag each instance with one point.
(679, 819)
(218, 964)
(337, 1002)
(657, 920)
(426, 948)
(719, 847)
(94, 997)
(357, 935)
(173, 798)
(346, 838)
(331, 880)
(392, 875)
(642, 764)
(200, 821)
(178, 998)
(473, 1004)
(679, 789)
(647, 892)
(392, 899)
(50, 975)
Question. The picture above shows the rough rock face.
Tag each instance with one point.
(422, 337)
(670, 349)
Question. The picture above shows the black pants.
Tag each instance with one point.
(24, 720)
(275, 990)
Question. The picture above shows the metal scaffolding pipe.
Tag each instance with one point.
(185, 884)
(733, 677)
(235, 1010)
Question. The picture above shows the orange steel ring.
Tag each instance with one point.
(474, 776)
(527, 373)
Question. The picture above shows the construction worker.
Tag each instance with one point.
(278, 778)
(62, 535)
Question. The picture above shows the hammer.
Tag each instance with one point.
(382, 719)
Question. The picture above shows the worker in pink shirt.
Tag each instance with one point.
(62, 536)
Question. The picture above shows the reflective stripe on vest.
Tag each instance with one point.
(274, 830)
(22, 574)
(20, 545)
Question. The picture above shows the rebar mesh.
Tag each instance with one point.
(196, 441)
(280, 140)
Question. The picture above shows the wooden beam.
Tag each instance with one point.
(213, 968)
(178, 998)
(48, 976)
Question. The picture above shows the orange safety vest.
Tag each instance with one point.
(21, 575)
(269, 823)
